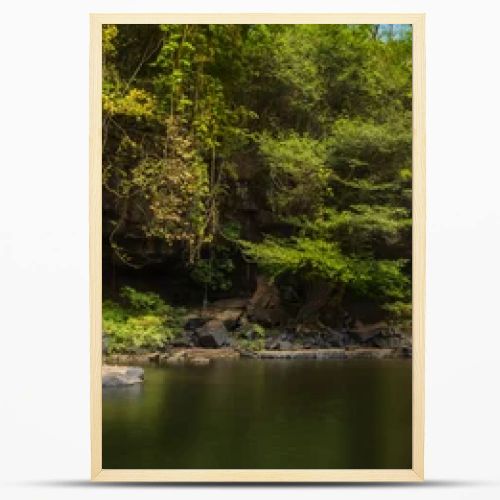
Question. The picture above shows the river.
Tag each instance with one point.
(273, 414)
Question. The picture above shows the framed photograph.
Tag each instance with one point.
(257, 247)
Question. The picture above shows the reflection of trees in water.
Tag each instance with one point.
(264, 414)
(213, 416)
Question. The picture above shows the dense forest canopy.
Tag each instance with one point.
(284, 151)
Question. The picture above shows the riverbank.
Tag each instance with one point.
(232, 328)
(200, 356)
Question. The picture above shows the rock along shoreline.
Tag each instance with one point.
(117, 372)
(195, 355)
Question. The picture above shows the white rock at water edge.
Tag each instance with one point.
(116, 376)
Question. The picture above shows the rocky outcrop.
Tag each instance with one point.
(250, 324)
(126, 358)
(334, 353)
(213, 334)
(227, 310)
(194, 322)
(118, 376)
(197, 356)
(363, 333)
(370, 353)
(283, 345)
(303, 354)
(335, 338)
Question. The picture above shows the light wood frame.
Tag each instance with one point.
(416, 473)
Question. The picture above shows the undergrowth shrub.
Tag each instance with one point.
(139, 320)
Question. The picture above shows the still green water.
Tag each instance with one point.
(262, 414)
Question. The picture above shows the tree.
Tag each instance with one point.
(286, 146)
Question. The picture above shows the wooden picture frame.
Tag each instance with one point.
(416, 473)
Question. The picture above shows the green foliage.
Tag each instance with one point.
(319, 259)
(231, 231)
(135, 103)
(215, 270)
(214, 273)
(360, 226)
(299, 255)
(400, 312)
(311, 124)
(259, 330)
(361, 149)
(175, 190)
(251, 330)
(257, 344)
(143, 302)
(140, 320)
(297, 173)
(109, 34)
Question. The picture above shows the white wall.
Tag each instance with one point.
(44, 431)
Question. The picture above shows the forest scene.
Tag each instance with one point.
(257, 237)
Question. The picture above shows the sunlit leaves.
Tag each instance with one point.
(299, 178)
(320, 259)
(139, 320)
(136, 102)
(175, 188)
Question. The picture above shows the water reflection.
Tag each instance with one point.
(263, 414)
(134, 391)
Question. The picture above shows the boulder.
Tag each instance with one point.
(364, 333)
(230, 317)
(194, 323)
(229, 311)
(284, 345)
(135, 372)
(118, 376)
(213, 334)
(271, 343)
(336, 339)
